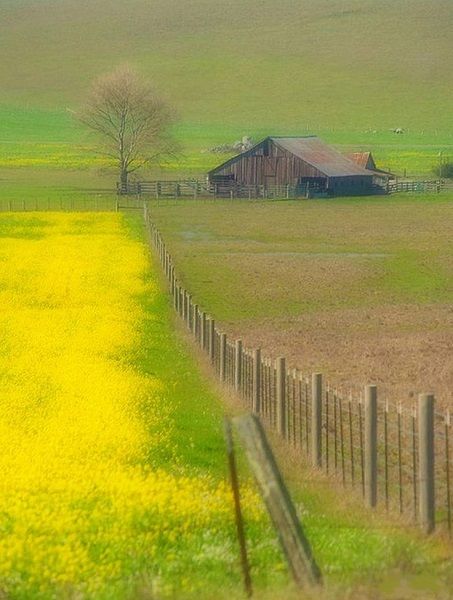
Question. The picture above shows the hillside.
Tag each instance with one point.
(347, 69)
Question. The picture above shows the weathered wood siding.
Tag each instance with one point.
(268, 164)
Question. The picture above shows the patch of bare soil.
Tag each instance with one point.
(405, 350)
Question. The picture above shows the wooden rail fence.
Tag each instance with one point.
(397, 456)
(418, 186)
(199, 189)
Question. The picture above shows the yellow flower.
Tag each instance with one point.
(76, 501)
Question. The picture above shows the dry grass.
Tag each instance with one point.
(405, 350)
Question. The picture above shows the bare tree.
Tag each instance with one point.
(130, 120)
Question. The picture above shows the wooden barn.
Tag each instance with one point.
(306, 164)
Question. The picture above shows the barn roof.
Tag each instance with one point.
(361, 158)
(311, 150)
(366, 160)
(321, 156)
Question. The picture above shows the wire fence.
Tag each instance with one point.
(395, 455)
(107, 202)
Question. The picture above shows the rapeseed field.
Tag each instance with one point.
(88, 507)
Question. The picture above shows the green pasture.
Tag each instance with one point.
(308, 256)
(40, 140)
(343, 63)
(345, 70)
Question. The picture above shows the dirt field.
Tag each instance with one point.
(361, 290)
(403, 349)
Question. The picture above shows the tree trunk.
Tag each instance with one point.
(123, 180)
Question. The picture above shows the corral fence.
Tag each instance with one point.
(397, 456)
(418, 186)
(196, 189)
(199, 189)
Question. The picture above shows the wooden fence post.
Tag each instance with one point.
(189, 313)
(426, 461)
(316, 419)
(181, 302)
(172, 279)
(237, 506)
(223, 348)
(293, 539)
(238, 365)
(281, 396)
(371, 445)
(211, 342)
(184, 305)
(203, 331)
(256, 401)
(195, 321)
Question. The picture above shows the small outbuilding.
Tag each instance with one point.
(306, 164)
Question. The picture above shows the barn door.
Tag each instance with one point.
(270, 174)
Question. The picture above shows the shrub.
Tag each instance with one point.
(445, 170)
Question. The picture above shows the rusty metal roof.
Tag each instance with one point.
(362, 159)
(321, 156)
(366, 160)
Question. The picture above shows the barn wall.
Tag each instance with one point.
(268, 165)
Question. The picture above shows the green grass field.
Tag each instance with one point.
(346, 70)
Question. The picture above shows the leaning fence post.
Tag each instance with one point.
(238, 365)
(426, 461)
(316, 419)
(237, 507)
(282, 511)
(223, 347)
(257, 381)
(371, 445)
(281, 396)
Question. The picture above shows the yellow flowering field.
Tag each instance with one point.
(97, 499)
